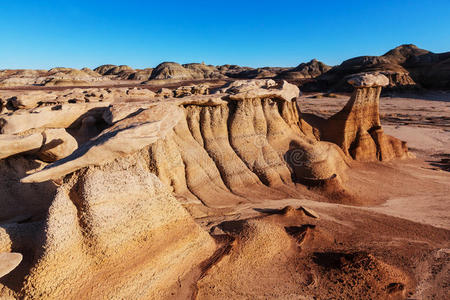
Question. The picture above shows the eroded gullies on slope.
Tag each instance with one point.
(113, 217)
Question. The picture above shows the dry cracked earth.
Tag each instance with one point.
(224, 189)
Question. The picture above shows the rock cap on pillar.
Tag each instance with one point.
(363, 80)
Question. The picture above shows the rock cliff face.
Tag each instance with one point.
(112, 214)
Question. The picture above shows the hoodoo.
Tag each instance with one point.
(357, 127)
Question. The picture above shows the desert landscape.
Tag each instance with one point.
(202, 181)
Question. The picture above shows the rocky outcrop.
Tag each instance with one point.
(357, 127)
(117, 72)
(126, 137)
(203, 71)
(170, 70)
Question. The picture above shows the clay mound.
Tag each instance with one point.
(118, 70)
(403, 53)
(103, 69)
(276, 257)
(14, 81)
(141, 75)
(171, 70)
(204, 71)
(336, 78)
(310, 69)
(54, 77)
(90, 72)
(232, 70)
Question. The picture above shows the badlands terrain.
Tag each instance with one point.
(226, 182)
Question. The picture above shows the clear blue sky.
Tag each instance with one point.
(45, 33)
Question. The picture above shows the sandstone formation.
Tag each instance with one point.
(357, 127)
(266, 109)
(111, 177)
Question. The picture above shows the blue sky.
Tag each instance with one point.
(45, 34)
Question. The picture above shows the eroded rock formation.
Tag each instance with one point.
(357, 127)
(111, 215)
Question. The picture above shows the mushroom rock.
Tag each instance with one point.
(357, 127)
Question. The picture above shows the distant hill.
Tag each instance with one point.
(407, 67)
